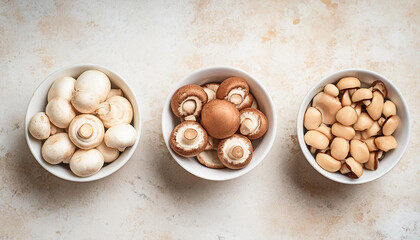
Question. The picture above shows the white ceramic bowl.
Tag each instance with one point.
(38, 103)
(402, 134)
(261, 146)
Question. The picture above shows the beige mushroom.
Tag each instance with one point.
(235, 152)
(390, 125)
(324, 129)
(188, 101)
(39, 126)
(374, 130)
(327, 162)
(348, 83)
(346, 116)
(389, 109)
(86, 131)
(62, 87)
(120, 136)
(386, 143)
(331, 89)
(114, 111)
(85, 163)
(233, 89)
(57, 148)
(345, 98)
(210, 159)
(380, 87)
(363, 122)
(359, 151)
(211, 89)
(327, 105)
(220, 118)
(316, 139)
(370, 143)
(246, 103)
(372, 164)
(109, 154)
(312, 119)
(60, 112)
(188, 139)
(54, 129)
(355, 168)
(339, 148)
(254, 124)
(115, 92)
(374, 109)
(361, 94)
(339, 130)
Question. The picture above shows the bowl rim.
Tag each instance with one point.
(95, 176)
(271, 106)
(310, 158)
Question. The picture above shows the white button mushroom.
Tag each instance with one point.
(60, 112)
(188, 101)
(235, 152)
(254, 124)
(39, 126)
(115, 111)
(62, 87)
(233, 89)
(85, 163)
(110, 154)
(58, 148)
(86, 131)
(120, 136)
(115, 92)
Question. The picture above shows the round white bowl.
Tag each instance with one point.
(402, 134)
(261, 146)
(38, 103)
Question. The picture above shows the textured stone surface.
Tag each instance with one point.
(288, 45)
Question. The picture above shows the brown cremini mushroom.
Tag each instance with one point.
(235, 152)
(188, 101)
(254, 123)
(220, 118)
(210, 89)
(188, 139)
(210, 159)
(233, 89)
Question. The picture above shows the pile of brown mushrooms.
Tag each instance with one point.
(217, 123)
(85, 124)
(350, 127)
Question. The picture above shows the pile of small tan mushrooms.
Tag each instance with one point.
(217, 123)
(74, 122)
(350, 127)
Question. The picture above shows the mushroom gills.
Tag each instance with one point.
(236, 150)
(250, 123)
(190, 106)
(236, 96)
(188, 137)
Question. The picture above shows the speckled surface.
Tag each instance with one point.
(288, 45)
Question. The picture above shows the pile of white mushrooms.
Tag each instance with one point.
(350, 127)
(217, 123)
(85, 124)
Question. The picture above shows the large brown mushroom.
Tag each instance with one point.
(211, 89)
(187, 101)
(188, 139)
(233, 89)
(235, 152)
(254, 123)
(220, 118)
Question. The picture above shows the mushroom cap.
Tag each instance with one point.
(110, 154)
(220, 118)
(361, 95)
(254, 124)
(85, 163)
(58, 148)
(210, 159)
(39, 126)
(86, 131)
(188, 139)
(62, 87)
(94, 81)
(247, 103)
(114, 111)
(327, 105)
(231, 88)
(188, 100)
(235, 152)
(211, 89)
(348, 83)
(120, 136)
(60, 112)
(374, 109)
(379, 86)
(115, 92)
(85, 102)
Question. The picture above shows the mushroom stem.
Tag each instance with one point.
(247, 127)
(189, 106)
(85, 131)
(237, 152)
(190, 134)
(236, 99)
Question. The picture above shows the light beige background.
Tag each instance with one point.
(287, 45)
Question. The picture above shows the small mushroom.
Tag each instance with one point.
(359, 151)
(54, 129)
(188, 139)
(381, 121)
(312, 119)
(380, 87)
(389, 109)
(120, 136)
(110, 154)
(374, 109)
(324, 129)
(211, 89)
(316, 139)
(327, 105)
(188, 101)
(115, 92)
(363, 122)
(254, 123)
(390, 125)
(339, 130)
(348, 83)
(361, 94)
(331, 89)
(327, 162)
(58, 148)
(62, 87)
(254, 102)
(233, 89)
(85, 102)
(210, 159)
(235, 152)
(374, 130)
(358, 135)
(386, 143)
(339, 148)
(372, 164)
(246, 103)
(211, 143)
(346, 116)
(85, 163)
(355, 168)
(358, 109)
(345, 98)
(220, 118)
(86, 131)
(344, 169)
(115, 111)
(370, 143)
(39, 126)
(60, 112)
